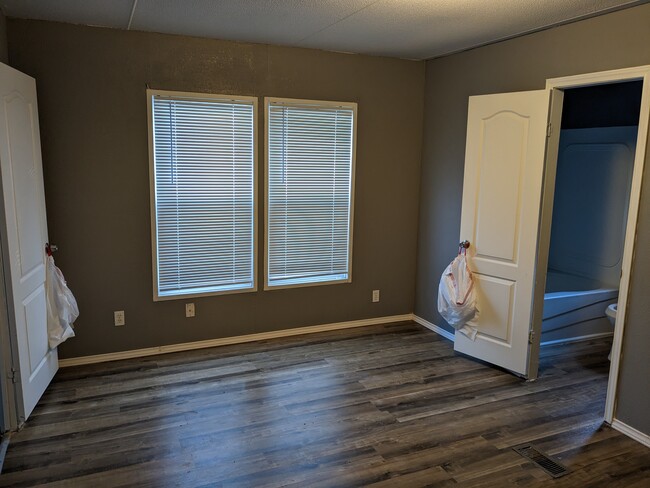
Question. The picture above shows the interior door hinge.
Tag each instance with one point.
(549, 130)
(13, 375)
(531, 336)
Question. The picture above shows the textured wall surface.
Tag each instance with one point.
(92, 106)
(616, 40)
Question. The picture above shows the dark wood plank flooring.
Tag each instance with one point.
(375, 406)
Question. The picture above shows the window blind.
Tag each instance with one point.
(203, 163)
(309, 193)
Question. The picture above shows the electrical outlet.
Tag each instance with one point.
(375, 296)
(189, 310)
(118, 317)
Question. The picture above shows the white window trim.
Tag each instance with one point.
(152, 190)
(320, 103)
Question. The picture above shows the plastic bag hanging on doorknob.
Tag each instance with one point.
(457, 301)
(62, 309)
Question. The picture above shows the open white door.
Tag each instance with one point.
(504, 166)
(25, 237)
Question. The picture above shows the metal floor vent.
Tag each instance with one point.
(545, 462)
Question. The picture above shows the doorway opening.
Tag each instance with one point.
(595, 163)
(591, 197)
(590, 205)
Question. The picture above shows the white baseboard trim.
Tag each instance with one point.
(577, 339)
(433, 327)
(188, 346)
(631, 432)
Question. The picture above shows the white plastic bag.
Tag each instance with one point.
(62, 309)
(457, 297)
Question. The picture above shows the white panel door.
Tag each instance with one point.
(26, 235)
(504, 165)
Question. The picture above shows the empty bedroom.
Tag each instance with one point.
(324, 244)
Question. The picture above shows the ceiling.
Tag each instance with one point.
(413, 29)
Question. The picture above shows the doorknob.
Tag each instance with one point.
(464, 244)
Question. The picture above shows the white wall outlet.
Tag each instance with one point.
(375, 296)
(189, 310)
(118, 317)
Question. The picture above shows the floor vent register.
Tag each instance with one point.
(545, 462)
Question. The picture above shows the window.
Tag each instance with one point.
(310, 183)
(203, 178)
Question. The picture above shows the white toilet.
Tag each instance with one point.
(611, 316)
(611, 313)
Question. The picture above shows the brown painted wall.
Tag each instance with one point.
(92, 106)
(616, 40)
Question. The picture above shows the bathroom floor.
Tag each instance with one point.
(389, 405)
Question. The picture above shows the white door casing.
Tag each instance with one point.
(26, 235)
(504, 166)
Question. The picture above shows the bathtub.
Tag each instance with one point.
(575, 306)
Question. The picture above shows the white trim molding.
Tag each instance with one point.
(434, 328)
(631, 432)
(224, 341)
(599, 77)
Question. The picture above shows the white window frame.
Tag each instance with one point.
(152, 189)
(319, 103)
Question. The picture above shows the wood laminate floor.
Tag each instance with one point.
(375, 406)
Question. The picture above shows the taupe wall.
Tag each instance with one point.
(616, 40)
(92, 106)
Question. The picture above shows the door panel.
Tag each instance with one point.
(503, 140)
(26, 235)
(37, 345)
(20, 140)
(498, 296)
(504, 162)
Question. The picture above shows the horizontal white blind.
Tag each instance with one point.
(310, 156)
(204, 177)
